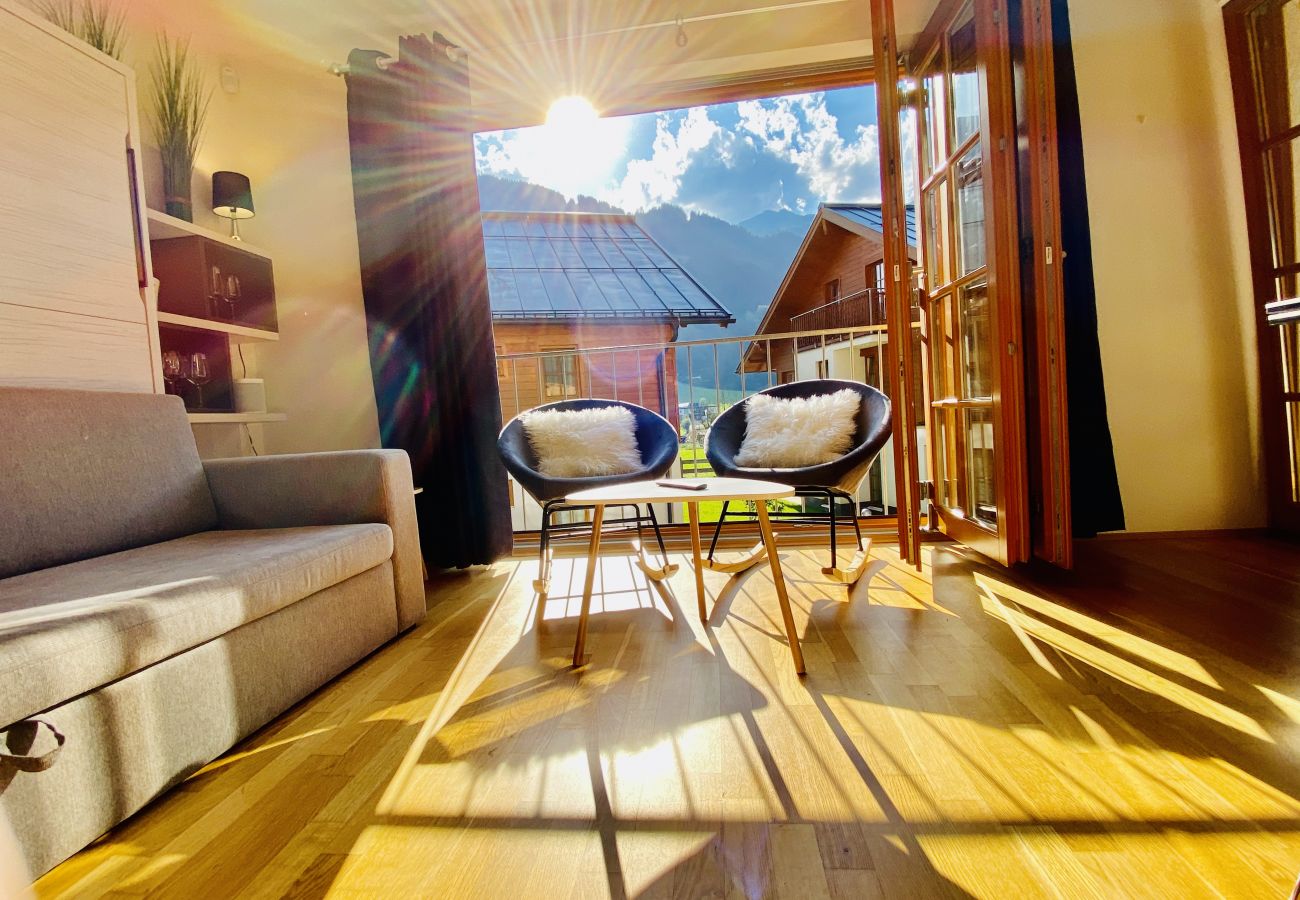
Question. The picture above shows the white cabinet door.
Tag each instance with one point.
(72, 313)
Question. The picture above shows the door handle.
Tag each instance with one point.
(1279, 312)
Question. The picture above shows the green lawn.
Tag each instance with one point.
(710, 509)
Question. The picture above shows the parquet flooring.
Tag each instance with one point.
(1128, 730)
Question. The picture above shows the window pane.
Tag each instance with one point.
(965, 83)
(945, 475)
(1282, 169)
(944, 335)
(970, 210)
(1293, 446)
(981, 498)
(936, 235)
(976, 343)
(1289, 337)
(1275, 51)
(935, 151)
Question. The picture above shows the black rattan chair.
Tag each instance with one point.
(656, 439)
(839, 479)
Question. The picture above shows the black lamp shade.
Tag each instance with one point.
(232, 195)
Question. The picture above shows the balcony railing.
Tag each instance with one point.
(865, 308)
(690, 383)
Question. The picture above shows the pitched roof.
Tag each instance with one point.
(854, 216)
(545, 266)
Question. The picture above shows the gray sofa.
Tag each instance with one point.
(155, 609)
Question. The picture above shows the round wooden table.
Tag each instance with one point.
(716, 489)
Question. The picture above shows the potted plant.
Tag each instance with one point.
(98, 24)
(180, 108)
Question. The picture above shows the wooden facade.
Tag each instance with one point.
(644, 377)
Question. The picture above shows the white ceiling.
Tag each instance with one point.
(524, 53)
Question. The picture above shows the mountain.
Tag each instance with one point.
(775, 221)
(740, 268)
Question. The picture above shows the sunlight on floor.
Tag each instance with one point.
(927, 739)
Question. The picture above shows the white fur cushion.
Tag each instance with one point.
(580, 443)
(791, 433)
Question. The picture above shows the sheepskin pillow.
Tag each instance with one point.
(791, 433)
(580, 443)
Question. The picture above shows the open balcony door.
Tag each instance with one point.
(971, 343)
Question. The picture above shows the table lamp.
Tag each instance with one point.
(232, 198)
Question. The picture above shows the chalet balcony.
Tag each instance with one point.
(851, 311)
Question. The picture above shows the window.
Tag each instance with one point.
(559, 373)
(787, 377)
(832, 290)
(823, 368)
(876, 276)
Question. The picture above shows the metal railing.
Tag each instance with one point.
(852, 310)
(690, 383)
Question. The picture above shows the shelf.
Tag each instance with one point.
(235, 418)
(240, 334)
(163, 227)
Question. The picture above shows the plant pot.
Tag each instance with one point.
(180, 207)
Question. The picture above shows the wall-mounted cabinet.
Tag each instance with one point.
(204, 279)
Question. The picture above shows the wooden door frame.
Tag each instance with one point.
(1044, 289)
(1283, 513)
(898, 278)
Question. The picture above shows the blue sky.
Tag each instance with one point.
(732, 160)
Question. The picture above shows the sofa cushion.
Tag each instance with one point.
(73, 628)
(92, 472)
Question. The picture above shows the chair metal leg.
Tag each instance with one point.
(830, 501)
(659, 537)
(717, 529)
(857, 526)
(542, 584)
(654, 573)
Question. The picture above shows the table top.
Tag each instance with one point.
(649, 492)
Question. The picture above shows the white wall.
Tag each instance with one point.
(286, 128)
(1171, 261)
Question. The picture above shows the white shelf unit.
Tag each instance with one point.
(240, 334)
(235, 418)
(164, 227)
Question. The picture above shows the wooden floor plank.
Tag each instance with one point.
(962, 731)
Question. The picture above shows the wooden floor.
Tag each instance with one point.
(1130, 730)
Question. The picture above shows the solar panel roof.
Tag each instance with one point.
(587, 266)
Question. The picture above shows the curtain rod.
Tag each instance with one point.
(455, 54)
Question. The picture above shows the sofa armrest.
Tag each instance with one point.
(337, 488)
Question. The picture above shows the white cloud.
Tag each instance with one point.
(802, 130)
(657, 180)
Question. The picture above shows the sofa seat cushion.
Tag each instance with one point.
(73, 628)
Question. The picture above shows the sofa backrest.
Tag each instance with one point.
(84, 473)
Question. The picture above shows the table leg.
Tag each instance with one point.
(593, 561)
(778, 579)
(693, 511)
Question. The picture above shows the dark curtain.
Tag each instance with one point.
(1094, 486)
(424, 281)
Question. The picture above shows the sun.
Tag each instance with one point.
(572, 114)
(575, 152)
